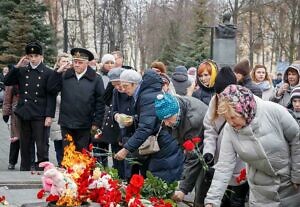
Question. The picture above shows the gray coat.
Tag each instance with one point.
(192, 112)
(212, 139)
(270, 146)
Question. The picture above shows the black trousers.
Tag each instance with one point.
(81, 137)
(14, 149)
(32, 131)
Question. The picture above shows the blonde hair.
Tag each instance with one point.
(226, 107)
(60, 56)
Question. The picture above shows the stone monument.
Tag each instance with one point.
(224, 50)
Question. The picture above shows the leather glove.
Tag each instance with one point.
(5, 118)
(209, 159)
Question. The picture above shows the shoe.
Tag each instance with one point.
(11, 167)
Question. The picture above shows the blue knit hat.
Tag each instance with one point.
(166, 106)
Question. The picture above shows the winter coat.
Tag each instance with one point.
(82, 103)
(284, 99)
(10, 102)
(248, 83)
(35, 100)
(192, 112)
(204, 94)
(212, 140)
(110, 129)
(122, 103)
(167, 163)
(267, 94)
(55, 133)
(270, 146)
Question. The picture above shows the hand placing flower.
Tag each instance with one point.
(192, 145)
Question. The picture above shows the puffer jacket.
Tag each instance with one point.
(166, 164)
(270, 146)
(212, 140)
(286, 97)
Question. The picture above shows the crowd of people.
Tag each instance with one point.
(245, 123)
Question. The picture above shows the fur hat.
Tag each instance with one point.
(224, 78)
(108, 57)
(115, 73)
(130, 76)
(242, 67)
(166, 106)
(34, 48)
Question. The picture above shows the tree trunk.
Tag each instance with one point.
(81, 23)
(95, 25)
(251, 34)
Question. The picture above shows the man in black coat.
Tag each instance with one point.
(36, 106)
(82, 106)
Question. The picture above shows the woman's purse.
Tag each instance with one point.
(150, 145)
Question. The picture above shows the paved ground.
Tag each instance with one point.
(19, 187)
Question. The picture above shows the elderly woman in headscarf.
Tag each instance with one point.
(213, 134)
(266, 137)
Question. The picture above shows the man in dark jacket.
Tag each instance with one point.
(36, 105)
(242, 72)
(184, 115)
(82, 105)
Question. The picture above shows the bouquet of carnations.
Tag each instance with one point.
(82, 180)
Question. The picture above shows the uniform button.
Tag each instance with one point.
(108, 117)
(35, 101)
(37, 85)
(27, 76)
(127, 109)
(39, 77)
(26, 84)
(25, 100)
(111, 126)
(36, 93)
(108, 111)
(25, 92)
(106, 124)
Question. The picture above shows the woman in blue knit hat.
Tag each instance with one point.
(184, 115)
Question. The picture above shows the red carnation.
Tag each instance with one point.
(51, 198)
(242, 176)
(91, 147)
(137, 181)
(188, 145)
(40, 194)
(196, 140)
(2, 198)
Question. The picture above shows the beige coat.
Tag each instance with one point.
(9, 105)
(270, 146)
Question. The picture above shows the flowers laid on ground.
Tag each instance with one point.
(242, 176)
(192, 146)
(3, 201)
(83, 180)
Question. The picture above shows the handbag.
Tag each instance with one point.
(150, 145)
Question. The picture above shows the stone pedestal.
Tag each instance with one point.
(224, 52)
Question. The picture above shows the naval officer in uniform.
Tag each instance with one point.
(82, 106)
(36, 106)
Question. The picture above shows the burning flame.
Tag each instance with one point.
(75, 162)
